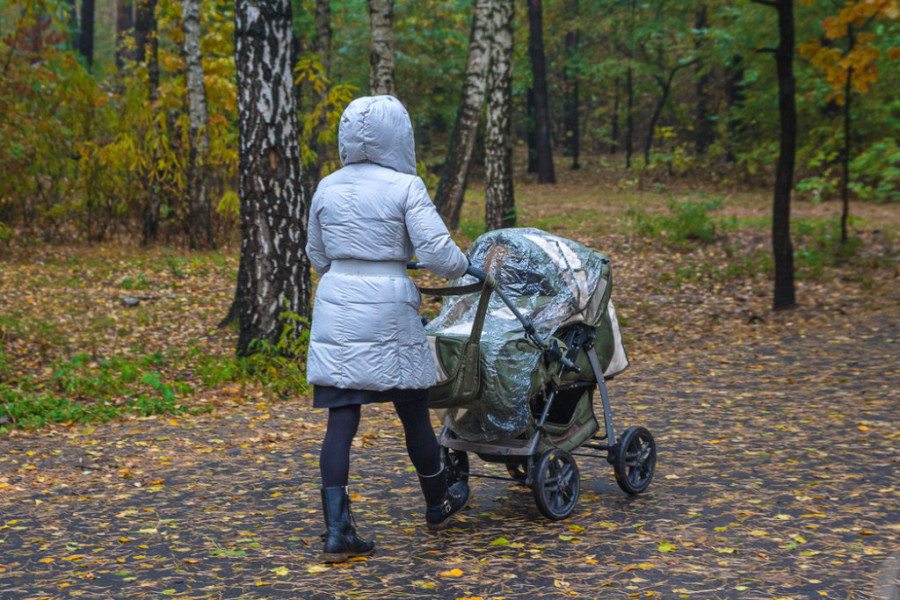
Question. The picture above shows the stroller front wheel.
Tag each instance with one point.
(634, 460)
(557, 484)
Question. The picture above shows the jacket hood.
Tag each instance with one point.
(377, 129)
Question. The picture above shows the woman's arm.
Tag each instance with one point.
(315, 248)
(435, 249)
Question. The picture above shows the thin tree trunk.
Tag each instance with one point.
(845, 158)
(782, 249)
(531, 131)
(614, 145)
(452, 186)
(705, 132)
(666, 86)
(73, 25)
(629, 122)
(570, 83)
(147, 50)
(381, 55)
(124, 25)
(541, 95)
(499, 198)
(86, 40)
(324, 33)
(275, 274)
(734, 95)
(313, 172)
(199, 222)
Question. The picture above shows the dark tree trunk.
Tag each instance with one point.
(452, 186)
(531, 132)
(629, 121)
(86, 39)
(734, 95)
(147, 50)
(704, 130)
(570, 83)
(275, 274)
(782, 248)
(499, 200)
(199, 222)
(541, 94)
(124, 25)
(845, 157)
(614, 144)
(665, 87)
(381, 55)
(324, 33)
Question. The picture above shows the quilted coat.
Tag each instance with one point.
(366, 330)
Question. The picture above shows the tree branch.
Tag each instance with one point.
(771, 3)
(772, 50)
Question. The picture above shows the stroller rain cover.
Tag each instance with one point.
(553, 282)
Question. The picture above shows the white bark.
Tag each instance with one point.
(499, 198)
(199, 212)
(452, 187)
(381, 56)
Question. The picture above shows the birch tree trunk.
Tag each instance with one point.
(452, 186)
(313, 172)
(499, 199)
(381, 55)
(541, 95)
(198, 221)
(273, 275)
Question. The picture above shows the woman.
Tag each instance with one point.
(367, 342)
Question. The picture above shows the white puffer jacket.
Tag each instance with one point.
(366, 330)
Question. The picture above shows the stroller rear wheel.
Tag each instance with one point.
(518, 470)
(635, 460)
(457, 464)
(556, 484)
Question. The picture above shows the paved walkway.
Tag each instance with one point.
(777, 478)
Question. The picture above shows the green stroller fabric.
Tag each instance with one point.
(555, 283)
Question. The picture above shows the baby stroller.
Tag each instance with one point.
(520, 347)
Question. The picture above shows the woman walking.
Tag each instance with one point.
(367, 342)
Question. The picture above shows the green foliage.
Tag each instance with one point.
(686, 221)
(877, 172)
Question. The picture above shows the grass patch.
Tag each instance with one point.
(685, 222)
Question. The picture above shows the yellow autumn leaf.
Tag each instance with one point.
(451, 573)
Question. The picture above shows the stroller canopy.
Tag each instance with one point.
(554, 282)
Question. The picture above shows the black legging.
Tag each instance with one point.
(334, 460)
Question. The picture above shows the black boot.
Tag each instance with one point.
(442, 500)
(341, 541)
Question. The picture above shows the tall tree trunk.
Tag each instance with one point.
(782, 249)
(86, 40)
(275, 274)
(324, 33)
(629, 121)
(381, 55)
(734, 96)
(199, 213)
(124, 25)
(452, 186)
(541, 95)
(312, 173)
(147, 49)
(570, 83)
(704, 130)
(614, 144)
(845, 158)
(72, 25)
(499, 199)
(531, 131)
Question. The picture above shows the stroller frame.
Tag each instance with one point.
(553, 474)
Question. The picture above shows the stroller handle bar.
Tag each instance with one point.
(530, 331)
